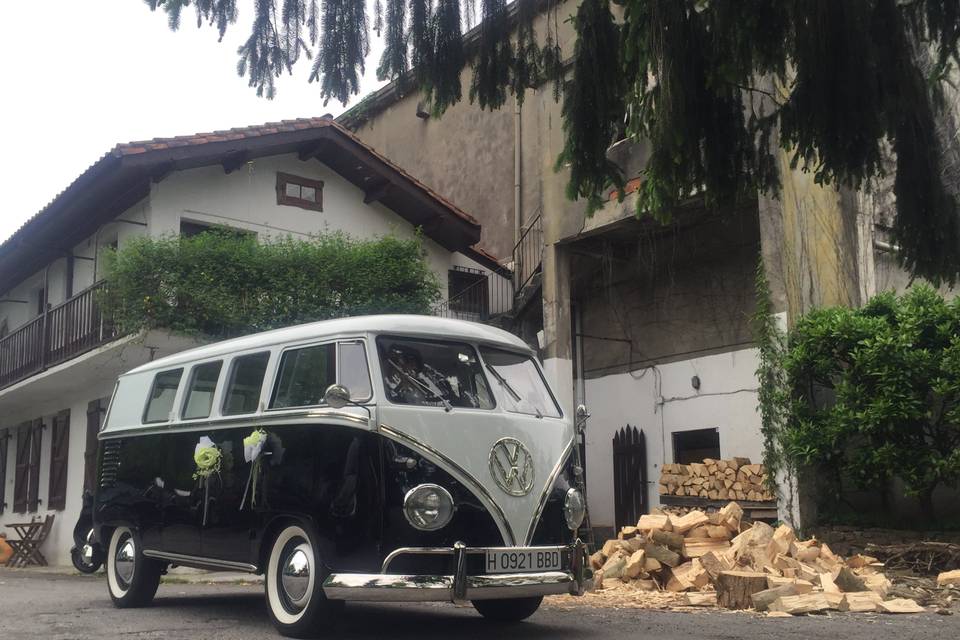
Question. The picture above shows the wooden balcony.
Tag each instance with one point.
(63, 332)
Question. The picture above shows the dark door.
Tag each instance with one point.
(182, 495)
(228, 523)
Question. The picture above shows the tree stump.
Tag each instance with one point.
(734, 588)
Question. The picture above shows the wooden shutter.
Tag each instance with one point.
(33, 492)
(95, 409)
(22, 471)
(4, 438)
(59, 454)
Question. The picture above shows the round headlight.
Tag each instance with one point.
(574, 509)
(428, 507)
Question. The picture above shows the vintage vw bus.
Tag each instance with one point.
(391, 458)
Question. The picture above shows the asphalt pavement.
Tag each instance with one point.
(55, 607)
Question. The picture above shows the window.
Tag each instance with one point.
(433, 374)
(696, 445)
(467, 291)
(189, 229)
(304, 375)
(524, 389)
(354, 373)
(300, 192)
(162, 395)
(203, 382)
(59, 450)
(246, 381)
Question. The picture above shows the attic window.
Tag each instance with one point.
(298, 191)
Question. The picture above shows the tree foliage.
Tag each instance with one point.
(876, 392)
(220, 285)
(715, 86)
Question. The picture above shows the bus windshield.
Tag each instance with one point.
(524, 389)
(433, 374)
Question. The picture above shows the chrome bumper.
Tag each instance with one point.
(460, 587)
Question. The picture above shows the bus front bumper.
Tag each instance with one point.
(461, 587)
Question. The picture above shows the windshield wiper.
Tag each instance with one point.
(506, 385)
(423, 387)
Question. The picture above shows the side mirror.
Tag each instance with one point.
(337, 396)
(581, 416)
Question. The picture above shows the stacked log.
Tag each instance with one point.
(717, 558)
(734, 479)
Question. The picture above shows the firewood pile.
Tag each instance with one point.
(734, 479)
(717, 559)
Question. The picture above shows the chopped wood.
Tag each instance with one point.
(849, 582)
(694, 548)
(613, 567)
(859, 561)
(860, 601)
(635, 563)
(649, 522)
(699, 532)
(734, 588)
(663, 555)
(899, 605)
(763, 599)
(610, 547)
(827, 583)
(949, 578)
(689, 521)
(597, 560)
(669, 539)
(700, 599)
(809, 554)
(718, 531)
(651, 565)
(878, 583)
(807, 603)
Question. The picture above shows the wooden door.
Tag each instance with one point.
(21, 479)
(33, 491)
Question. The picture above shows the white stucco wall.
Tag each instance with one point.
(726, 400)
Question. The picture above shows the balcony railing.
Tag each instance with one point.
(528, 254)
(63, 332)
(489, 296)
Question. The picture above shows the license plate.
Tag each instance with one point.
(523, 560)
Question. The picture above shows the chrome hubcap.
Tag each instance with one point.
(125, 560)
(295, 577)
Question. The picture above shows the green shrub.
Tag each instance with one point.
(876, 392)
(219, 285)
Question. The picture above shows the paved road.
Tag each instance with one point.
(54, 607)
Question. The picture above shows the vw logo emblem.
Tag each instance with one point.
(511, 466)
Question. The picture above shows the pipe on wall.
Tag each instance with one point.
(517, 174)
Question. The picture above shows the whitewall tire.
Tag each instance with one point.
(294, 584)
(132, 578)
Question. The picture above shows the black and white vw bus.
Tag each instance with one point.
(380, 458)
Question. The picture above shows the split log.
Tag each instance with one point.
(700, 599)
(714, 563)
(663, 555)
(597, 560)
(669, 539)
(734, 588)
(689, 521)
(807, 603)
(949, 578)
(899, 605)
(860, 602)
(694, 548)
(849, 582)
(763, 599)
(635, 563)
(649, 522)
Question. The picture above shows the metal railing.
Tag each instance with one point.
(528, 254)
(65, 331)
(489, 296)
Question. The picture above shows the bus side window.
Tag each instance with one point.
(246, 381)
(354, 373)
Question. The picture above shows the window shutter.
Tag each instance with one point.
(59, 454)
(33, 492)
(4, 439)
(95, 410)
(22, 471)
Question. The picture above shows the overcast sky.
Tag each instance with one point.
(86, 75)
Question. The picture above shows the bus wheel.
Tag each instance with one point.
(132, 578)
(294, 585)
(509, 609)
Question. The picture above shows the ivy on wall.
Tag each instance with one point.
(220, 285)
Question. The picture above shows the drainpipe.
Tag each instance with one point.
(517, 158)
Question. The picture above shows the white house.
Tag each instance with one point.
(59, 361)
